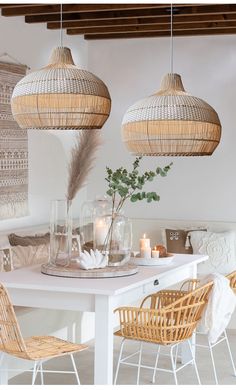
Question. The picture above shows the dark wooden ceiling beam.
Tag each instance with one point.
(220, 31)
(40, 9)
(158, 12)
(13, 5)
(151, 28)
(113, 21)
(141, 21)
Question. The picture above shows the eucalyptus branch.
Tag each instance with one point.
(129, 185)
(124, 185)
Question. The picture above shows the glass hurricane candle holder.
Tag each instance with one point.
(108, 232)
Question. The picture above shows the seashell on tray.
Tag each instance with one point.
(94, 259)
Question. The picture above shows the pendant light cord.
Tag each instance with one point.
(171, 40)
(61, 30)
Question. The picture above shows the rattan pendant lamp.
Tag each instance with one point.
(171, 122)
(61, 96)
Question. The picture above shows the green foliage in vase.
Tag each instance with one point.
(123, 185)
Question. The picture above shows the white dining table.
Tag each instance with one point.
(29, 287)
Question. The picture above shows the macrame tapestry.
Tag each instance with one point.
(13, 148)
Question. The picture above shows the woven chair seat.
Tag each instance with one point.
(43, 347)
(153, 333)
(147, 338)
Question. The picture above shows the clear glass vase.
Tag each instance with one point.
(60, 233)
(113, 236)
(103, 229)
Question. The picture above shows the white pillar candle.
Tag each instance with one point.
(144, 242)
(101, 231)
(145, 253)
(155, 253)
(145, 249)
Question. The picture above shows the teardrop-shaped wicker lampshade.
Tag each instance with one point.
(61, 96)
(171, 123)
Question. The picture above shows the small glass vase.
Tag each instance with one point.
(106, 231)
(113, 237)
(60, 233)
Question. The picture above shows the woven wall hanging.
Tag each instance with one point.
(13, 148)
(171, 123)
(61, 96)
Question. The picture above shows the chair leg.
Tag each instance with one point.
(173, 364)
(194, 362)
(41, 373)
(119, 359)
(156, 362)
(230, 353)
(139, 361)
(213, 362)
(35, 372)
(75, 369)
(176, 354)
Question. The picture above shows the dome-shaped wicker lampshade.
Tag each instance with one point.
(171, 123)
(61, 96)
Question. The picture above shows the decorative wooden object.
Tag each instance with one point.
(173, 316)
(61, 96)
(171, 123)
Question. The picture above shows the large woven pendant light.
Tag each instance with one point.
(171, 122)
(61, 96)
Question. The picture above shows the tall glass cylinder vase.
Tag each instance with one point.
(60, 232)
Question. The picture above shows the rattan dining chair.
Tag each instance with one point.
(190, 285)
(232, 280)
(37, 349)
(170, 320)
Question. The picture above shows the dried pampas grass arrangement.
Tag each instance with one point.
(82, 158)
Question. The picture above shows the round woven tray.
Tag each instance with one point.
(73, 271)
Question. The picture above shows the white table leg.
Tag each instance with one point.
(185, 352)
(3, 366)
(104, 320)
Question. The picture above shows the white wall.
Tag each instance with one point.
(48, 154)
(196, 188)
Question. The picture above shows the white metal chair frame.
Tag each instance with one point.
(156, 368)
(38, 368)
(210, 346)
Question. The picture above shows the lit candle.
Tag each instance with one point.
(144, 242)
(155, 252)
(101, 231)
(145, 249)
